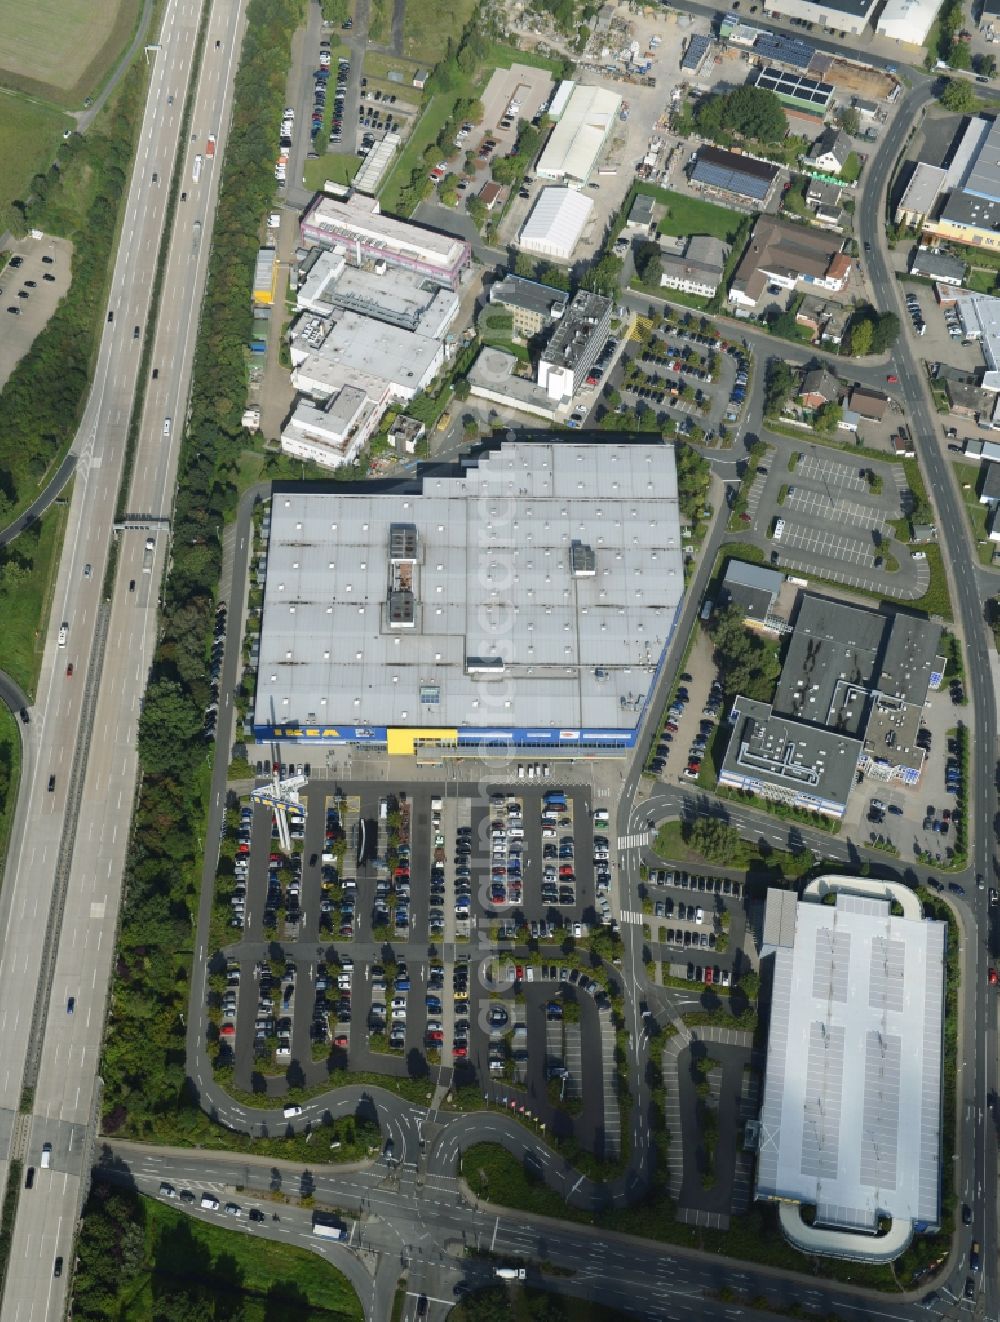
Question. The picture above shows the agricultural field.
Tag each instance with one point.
(62, 50)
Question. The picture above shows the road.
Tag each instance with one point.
(425, 1218)
(60, 899)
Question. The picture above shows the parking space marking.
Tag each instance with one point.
(612, 1115)
(573, 1047)
(806, 567)
(809, 501)
(844, 475)
(829, 544)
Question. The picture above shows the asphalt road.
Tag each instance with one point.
(421, 1217)
(60, 900)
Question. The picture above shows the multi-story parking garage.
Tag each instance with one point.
(525, 600)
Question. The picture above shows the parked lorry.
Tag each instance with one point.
(147, 555)
(210, 145)
(327, 1230)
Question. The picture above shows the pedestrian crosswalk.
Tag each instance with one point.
(632, 916)
(634, 840)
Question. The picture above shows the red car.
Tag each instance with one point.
(69, 671)
(992, 980)
(340, 1041)
(893, 380)
(708, 975)
(519, 972)
(459, 1051)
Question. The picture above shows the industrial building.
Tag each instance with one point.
(966, 218)
(983, 179)
(329, 283)
(578, 138)
(920, 195)
(843, 16)
(366, 235)
(532, 306)
(524, 601)
(794, 89)
(907, 21)
(353, 347)
(496, 376)
(575, 345)
(728, 174)
(556, 222)
(850, 697)
(334, 434)
(376, 164)
(979, 315)
(851, 1118)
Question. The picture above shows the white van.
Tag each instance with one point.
(46, 1156)
(779, 530)
(290, 1112)
(209, 1203)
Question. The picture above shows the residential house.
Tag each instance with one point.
(831, 151)
(820, 193)
(491, 194)
(640, 218)
(819, 387)
(902, 444)
(826, 319)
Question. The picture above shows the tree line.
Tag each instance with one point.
(79, 198)
(144, 1056)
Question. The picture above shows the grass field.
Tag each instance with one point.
(378, 65)
(428, 25)
(339, 169)
(62, 49)
(26, 593)
(230, 1264)
(689, 215)
(29, 136)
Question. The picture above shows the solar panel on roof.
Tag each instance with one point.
(731, 181)
(697, 49)
(786, 50)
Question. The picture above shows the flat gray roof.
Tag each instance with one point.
(502, 630)
(790, 756)
(514, 291)
(831, 663)
(580, 322)
(984, 177)
(851, 1117)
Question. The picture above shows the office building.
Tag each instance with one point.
(575, 345)
(533, 307)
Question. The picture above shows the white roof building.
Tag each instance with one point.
(556, 223)
(355, 348)
(576, 141)
(334, 435)
(526, 598)
(851, 1117)
(980, 318)
(560, 97)
(907, 21)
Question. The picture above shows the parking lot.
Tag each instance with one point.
(352, 948)
(698, 923)
(31, 285)
(826, 544)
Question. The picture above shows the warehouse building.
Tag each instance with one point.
(399, 298)
(843, 16)
(575, 345)
(524, 601)
(577, 140)
(920, 195)
(366, 235)
(851, 1119)
(556, 222)
(979, 315)
(907, 21)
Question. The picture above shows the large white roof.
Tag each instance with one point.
(557, 220)
(908, 21)
(851, 1120)
(575, 143)
(492, 580)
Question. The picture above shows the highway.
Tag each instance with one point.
(62, 890)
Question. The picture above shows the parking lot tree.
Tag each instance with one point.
(958, 96)
(850, 121)
(448, 190)
(476, 208)
(986, 66)
(462, 389)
